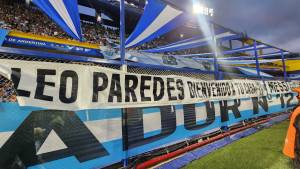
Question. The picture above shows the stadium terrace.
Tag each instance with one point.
(88, 84)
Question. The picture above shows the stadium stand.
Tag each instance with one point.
(29, 19)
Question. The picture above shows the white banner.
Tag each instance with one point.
(76, 87)
(294, 84)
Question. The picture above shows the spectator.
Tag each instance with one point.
(7, 92)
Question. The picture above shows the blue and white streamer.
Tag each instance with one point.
(65, 13)
(158, 18)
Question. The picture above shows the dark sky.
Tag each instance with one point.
(276, 22)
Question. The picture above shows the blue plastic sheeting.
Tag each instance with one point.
(65, 13)
(154, 22)
(3, 33)
(205, 150)
(279, 118)
(243, 134)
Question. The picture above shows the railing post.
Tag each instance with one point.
(283, 66)
(256, 59)
(122, 56)
(215, 46)
(122, 34)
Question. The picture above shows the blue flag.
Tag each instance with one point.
(65, 13)
(158, 19)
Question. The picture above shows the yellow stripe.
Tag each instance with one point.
(52, 39)
(291, 65)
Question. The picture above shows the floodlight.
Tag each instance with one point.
(197, 8)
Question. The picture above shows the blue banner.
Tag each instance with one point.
(70, 49)
(38, 138)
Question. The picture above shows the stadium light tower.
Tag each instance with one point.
(201, 11)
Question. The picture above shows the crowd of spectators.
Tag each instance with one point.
(97, 33)
(7, 92)
(29, 19)
(25, 18)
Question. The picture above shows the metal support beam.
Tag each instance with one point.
(215, 52)
(122, 31)
(216, 68)
(230, 44)
(122, 56)
(256, 59)
(283, 66)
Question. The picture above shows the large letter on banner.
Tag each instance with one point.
(37, 138)
(65, 13)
